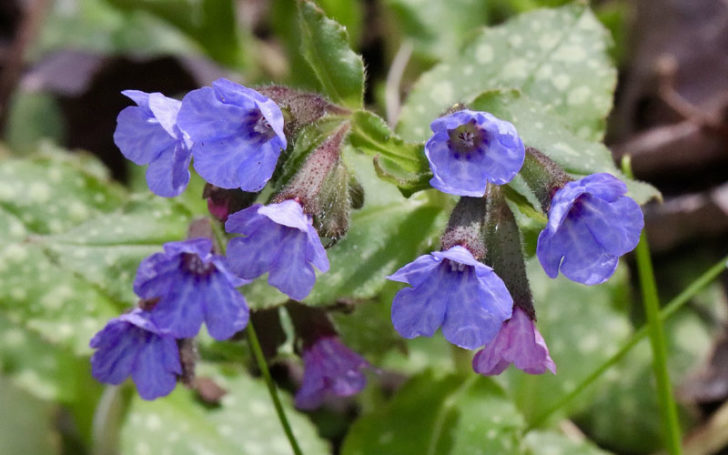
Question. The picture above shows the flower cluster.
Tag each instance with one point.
(235, 136)
(475, 288)
(180, 288)
(591, 223)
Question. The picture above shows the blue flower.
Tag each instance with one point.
(329, 367)
(280, 239)
(469, 149)
(453, 290)
(131, 345)
(190, 285)
(591, 224)
(519, 343)
(148, 134)
(238, 134)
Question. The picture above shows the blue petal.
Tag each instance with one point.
(155, 275)
(315, 253)
(585, 260)
(450, 175)
(140, 98)
(206, 118)
(139, 136)
(502, 160)
(290, 272)
(180, 311)
(225, 310)
(472, 317)
(498, 298)
(615, 225)
(252, 256)
(117, 346)
(420, 310)
(604, 186)
(287, 213)
(460, 255)
(258, 166)
(219, 161)
(549, 253)
(169, 174)
(200, 246)
(165, 111)
(245, 221)
(152, 378)
(451, 121)
(416, 271)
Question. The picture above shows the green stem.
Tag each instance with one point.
(671, 425)
(670, 309)
(650, 299)
(260, 360)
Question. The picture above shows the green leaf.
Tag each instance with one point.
(549, 442)
(448, 415)
(245, 423)
(34, 365)
(624, 412)
(97, 26)
(209, 22)
(558, 57)
(387, 233)
(325, 45)
(396, 161)
(436, 28)
(548, 133)
(27, 426)
(71, 249)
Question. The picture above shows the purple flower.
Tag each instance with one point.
(131, 345)
(279, 239)
(238, 134)
(519, 343)
(453, 290)
(329, 366)
(469, 149)
(191, 284)
(591, 224)
(148, 134)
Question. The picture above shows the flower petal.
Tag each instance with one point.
(165, 111)
(287, 213)
(615, 225)
(152, 378)
(252, 256)
(258, 166)
(218, 161)
(116, 347)
(205, 117)
(290, 273)
(139, 136)
(226, 312)
(416, 271)
(180, 311)
(420, 310)
(315, 252)
(451, 175)
(168, 175)
(585, 260)
(472, 318)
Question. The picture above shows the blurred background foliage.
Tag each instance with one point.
(62, 66)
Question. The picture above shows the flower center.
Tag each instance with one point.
(466, 140)
(193, 264)
(262, 127)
